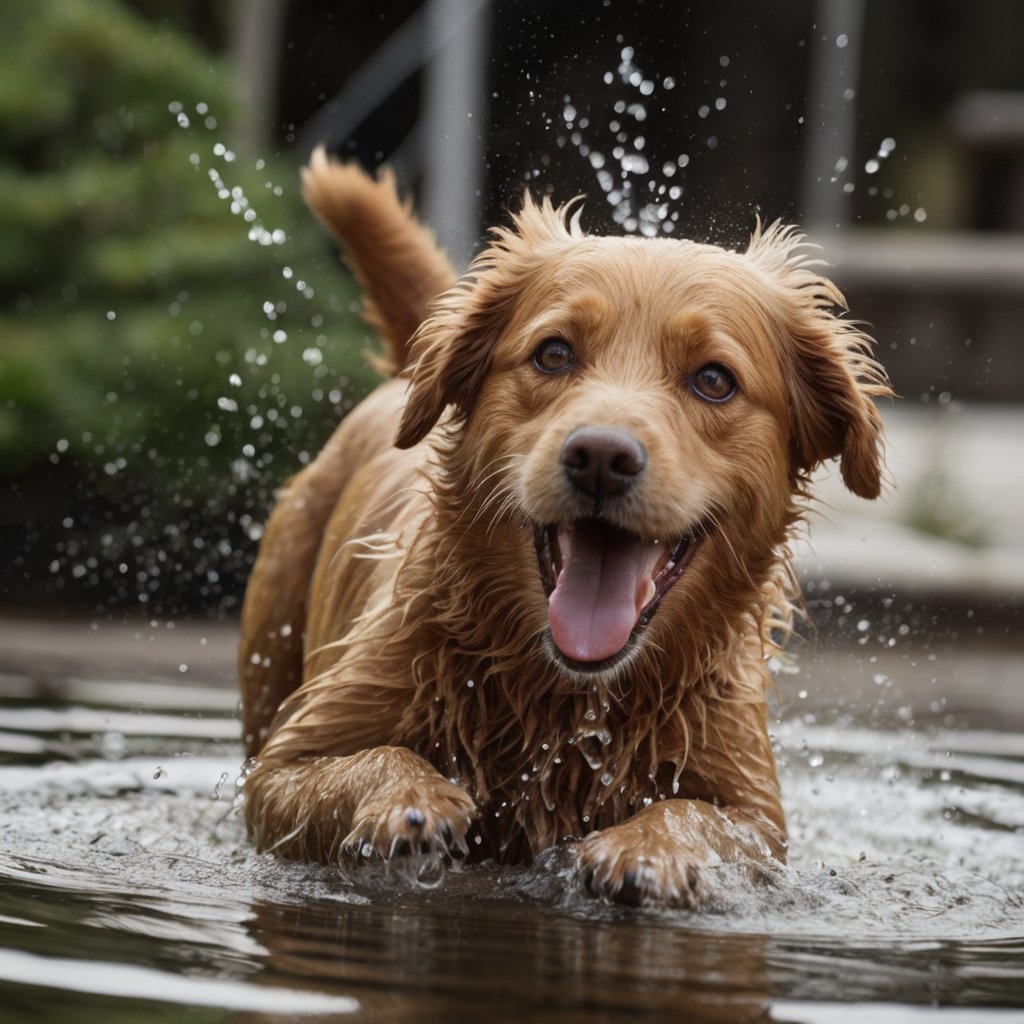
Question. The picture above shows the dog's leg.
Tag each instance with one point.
(274, 614)
(274, 610)
(661, 855)
(385, 802)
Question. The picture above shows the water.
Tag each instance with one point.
(127, 888)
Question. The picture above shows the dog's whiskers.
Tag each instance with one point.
(503, 496)
(711, 517)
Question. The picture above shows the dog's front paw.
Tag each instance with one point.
(663, 856)
(615, 865)
(428, 819)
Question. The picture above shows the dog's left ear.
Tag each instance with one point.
(451, 352)
(832, 376)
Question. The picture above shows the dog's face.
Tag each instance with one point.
(646, 411)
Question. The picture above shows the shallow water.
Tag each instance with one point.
(127, 889)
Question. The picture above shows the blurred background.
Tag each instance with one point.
(176, 336)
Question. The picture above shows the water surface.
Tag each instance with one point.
(128, 891)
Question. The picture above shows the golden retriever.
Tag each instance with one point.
(528, 591)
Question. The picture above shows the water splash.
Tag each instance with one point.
(643, 190)
(844, 175)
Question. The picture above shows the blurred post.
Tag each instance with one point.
(830, 119)
(255, 45)
(454, 128)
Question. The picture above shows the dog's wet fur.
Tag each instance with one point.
(528, 591)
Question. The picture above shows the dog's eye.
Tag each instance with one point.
(553, 355)
(713, 383)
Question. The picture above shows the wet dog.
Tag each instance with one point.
(527, 593)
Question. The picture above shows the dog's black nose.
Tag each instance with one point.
(603, 461)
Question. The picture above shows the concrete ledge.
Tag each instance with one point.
(926, 261)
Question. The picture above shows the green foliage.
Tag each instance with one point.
(166, 308)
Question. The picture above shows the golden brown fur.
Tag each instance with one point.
(432, 709)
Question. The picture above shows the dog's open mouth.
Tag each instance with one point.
(604, 584)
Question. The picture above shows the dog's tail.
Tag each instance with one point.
(393, 256)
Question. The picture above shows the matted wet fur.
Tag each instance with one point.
(527, 593)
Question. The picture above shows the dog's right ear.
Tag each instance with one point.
(450, 355)
(451, 351)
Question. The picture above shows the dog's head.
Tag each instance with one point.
(648, 410)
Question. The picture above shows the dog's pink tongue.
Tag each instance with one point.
(603, 586)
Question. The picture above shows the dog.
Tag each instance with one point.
(527, 593)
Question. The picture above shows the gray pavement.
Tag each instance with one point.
(882, 678)
(49, 650)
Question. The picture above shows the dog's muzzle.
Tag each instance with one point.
(604, 581)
